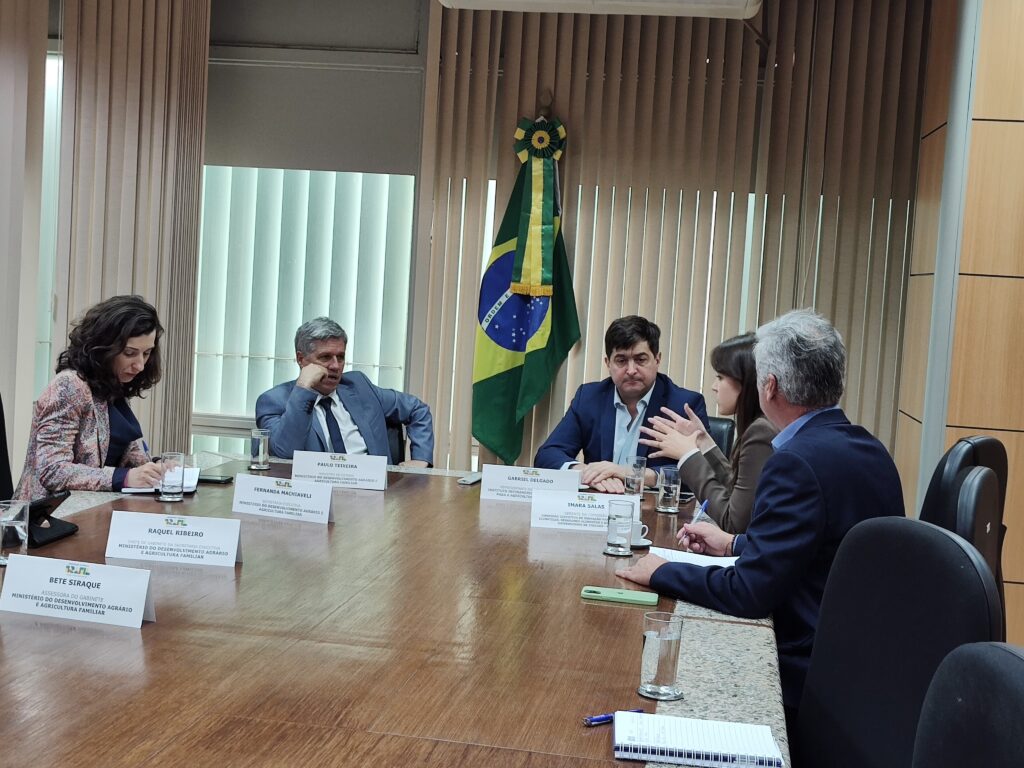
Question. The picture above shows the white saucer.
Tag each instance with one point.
(641, 543)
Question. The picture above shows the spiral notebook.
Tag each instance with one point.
(680, 740)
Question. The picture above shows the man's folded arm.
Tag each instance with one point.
(415, 415)
(288, 427)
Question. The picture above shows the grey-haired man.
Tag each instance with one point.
(324, 411)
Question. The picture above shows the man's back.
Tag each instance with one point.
(826, 479)
(841, 475)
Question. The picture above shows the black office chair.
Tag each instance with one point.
(6, 483)
(396, 442)
(723, 432)
(900, 596)
(979, 519)
(940, 500)
(976, 513)
(974, 711)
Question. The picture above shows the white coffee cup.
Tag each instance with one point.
(639, 532)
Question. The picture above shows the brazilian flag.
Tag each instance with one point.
(527, 314)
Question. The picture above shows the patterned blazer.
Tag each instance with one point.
(69, 440)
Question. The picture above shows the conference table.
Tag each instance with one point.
(422, 627)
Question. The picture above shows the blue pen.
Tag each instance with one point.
(701, 513)
(602, 719)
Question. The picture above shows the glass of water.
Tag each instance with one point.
(172, 484)
(620, 528)
(668, 490)
(659, 661)
(636, 467)
(13, 528)
(259, 450)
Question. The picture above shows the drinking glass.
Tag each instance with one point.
(668, 490)
(173, 481)
(659, 661)
(259, 449)
(620, 528)
(634, 482)
(13, 529)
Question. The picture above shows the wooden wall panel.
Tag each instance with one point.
(999, 89)
(941, 39)
(926, 206)
(915, 345)
(1013, 514)
(987, 365)
(1015, 614)
(908, 457)
(993, 242)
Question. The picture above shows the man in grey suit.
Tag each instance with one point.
(323, 411)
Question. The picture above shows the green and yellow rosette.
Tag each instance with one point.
(539, 145)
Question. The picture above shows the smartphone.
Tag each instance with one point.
(471, 479)
(218, 479)
(612, 595)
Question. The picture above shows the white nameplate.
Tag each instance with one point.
(174, 539)
(103, 594)
(369, 473)
(288, 499)
(575, 511)
(502, 483)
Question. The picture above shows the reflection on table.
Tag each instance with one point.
(420, 628)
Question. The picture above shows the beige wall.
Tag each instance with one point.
(983, 367)
(987, 364)
(920, 284)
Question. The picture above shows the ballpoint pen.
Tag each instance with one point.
(602, 719)
(701, 513)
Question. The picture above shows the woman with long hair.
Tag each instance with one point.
(84, 435)
(728, 485)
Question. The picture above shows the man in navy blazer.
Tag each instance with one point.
(604, 418)
(323, 411)
(825, 476)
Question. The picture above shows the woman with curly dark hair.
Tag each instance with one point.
(84, 435)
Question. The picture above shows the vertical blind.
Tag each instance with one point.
(279, 247)
(133, 112)
(709, 183)
(45, 354)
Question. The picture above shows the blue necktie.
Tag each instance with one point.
(337, 444)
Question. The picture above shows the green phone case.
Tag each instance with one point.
(619, 595)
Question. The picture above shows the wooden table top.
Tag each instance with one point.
(422, 628)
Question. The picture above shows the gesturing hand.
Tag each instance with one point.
(667, 441)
